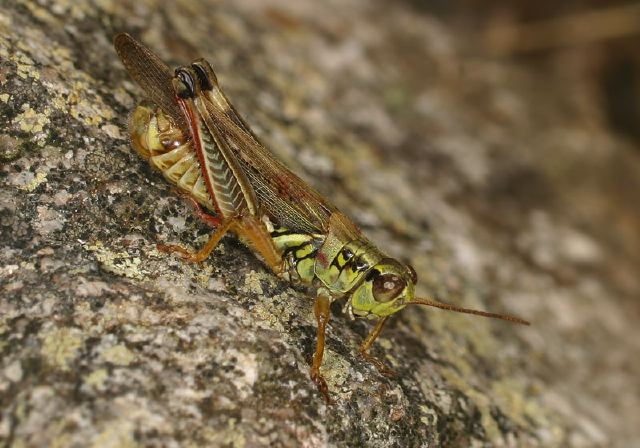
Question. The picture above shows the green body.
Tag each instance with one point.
(343, 267)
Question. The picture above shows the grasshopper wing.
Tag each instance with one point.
(151, 74)
(285, 197)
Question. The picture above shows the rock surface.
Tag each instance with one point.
(506, 190)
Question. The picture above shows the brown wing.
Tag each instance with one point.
(151, 74)
(282, 195)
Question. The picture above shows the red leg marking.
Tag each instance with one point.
(213, 221)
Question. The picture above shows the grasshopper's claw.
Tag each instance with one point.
(322, 386)
(366, 345)
(381, 366)
(173, 249)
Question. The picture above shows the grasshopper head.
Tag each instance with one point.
(388, 287)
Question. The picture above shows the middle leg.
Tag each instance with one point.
(366, 345)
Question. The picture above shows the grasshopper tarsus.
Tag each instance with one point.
(185, 254)
(382, 368)
(321, 384)
(366, 346)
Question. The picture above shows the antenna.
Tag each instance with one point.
(457, 309)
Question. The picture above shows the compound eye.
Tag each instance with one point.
(203, 76)
(387, 287)
(185, 87)
(413, 274)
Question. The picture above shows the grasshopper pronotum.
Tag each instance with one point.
(198, 140)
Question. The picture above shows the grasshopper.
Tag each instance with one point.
(196, 138)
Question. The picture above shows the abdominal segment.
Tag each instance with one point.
(159, 140)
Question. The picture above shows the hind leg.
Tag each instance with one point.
(202, 254)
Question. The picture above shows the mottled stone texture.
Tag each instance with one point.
(504, 188)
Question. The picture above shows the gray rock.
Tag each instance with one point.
(499, 186)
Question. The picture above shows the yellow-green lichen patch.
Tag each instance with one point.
(72, 9)
(276, 311)
(117, 433)
(388, 348)
(234, 437)
(4, 97)
(59, 102)
(61, 439)
(92, 112)
(27, 266)
(26, 67)
(252, 282)
(34, 183)
(231, 436)
(97, 378)
(480, 400)
(459, 376)
(119, 263)
(29, 120)
(118, 355)
(335, 369)
(453, 330)
(476, 331)
(60, 346)
(70, 91)
(512, 397)
(115, 314)
(37, 11)
(203, 275)
(430, 416)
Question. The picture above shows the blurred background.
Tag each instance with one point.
(585, 56)
(592, 42)
(588, 50)
(582, 66)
